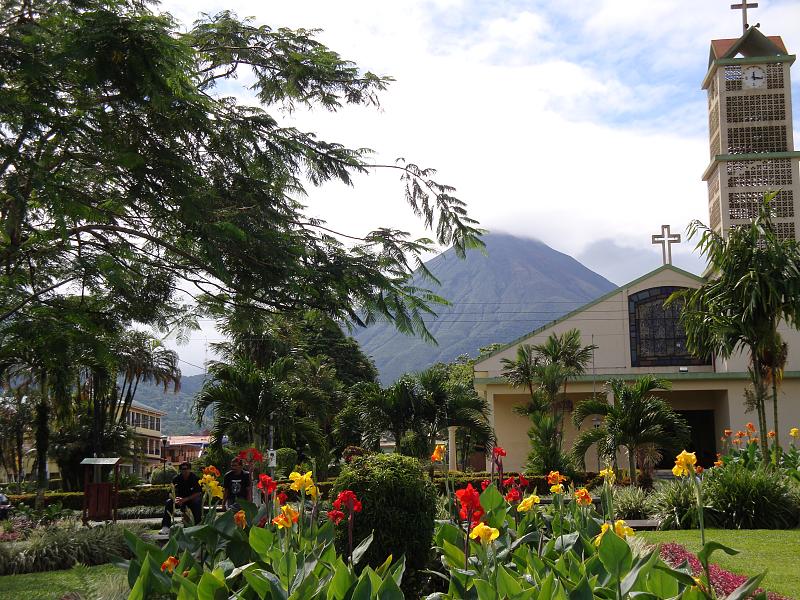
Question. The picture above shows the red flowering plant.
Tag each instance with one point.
(250, 457)
(267, 485)
(471, 512)
(497, 463)
(346, 504)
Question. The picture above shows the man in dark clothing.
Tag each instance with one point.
(188, 494)
(236, 485)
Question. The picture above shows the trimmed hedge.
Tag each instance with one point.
(144, 496)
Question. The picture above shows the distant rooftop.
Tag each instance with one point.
(141, 406)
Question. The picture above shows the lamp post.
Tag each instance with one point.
(596, 424)
(164, 453)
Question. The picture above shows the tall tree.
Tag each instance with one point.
(635, 418)
(754, 285)
(125, 171)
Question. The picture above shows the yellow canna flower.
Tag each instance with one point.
(301, 483)
(794, 432)
(684, 464)
(438, 453)
(599, 537)
(485, 533)
(312, 491)
(288, 516)
(527, 503)
(622, 530)
(557, 489)
(608, 474)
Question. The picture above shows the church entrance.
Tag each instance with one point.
(701, 441)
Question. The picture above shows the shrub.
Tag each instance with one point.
(630, 502)
(63, 547)
(760, 498)
(163, 476)
(674, 503)
(285, 461)
(147, 496)
(399, 510)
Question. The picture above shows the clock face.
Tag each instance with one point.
(754, 77)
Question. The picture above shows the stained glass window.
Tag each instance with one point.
(657, 337)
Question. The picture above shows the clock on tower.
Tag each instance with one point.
(750, 132)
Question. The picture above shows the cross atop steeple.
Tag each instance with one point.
(743, 7)
(666, 239)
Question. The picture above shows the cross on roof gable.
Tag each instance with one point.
(752, 43)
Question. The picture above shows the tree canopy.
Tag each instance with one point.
(125, 172)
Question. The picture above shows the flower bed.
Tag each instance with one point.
(724, 582)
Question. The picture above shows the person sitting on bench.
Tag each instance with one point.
(236, 485)
(188, 494)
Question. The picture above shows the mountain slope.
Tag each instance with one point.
(519, 285)
(178, 406)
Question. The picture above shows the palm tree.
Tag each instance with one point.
(635, 419)
(388, 410)
(755, 284)
(444, 401)
(522, 371)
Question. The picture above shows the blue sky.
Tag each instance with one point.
(578, 123)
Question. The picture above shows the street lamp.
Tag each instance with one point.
(164, 453)
(596, 423)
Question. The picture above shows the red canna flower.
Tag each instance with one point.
(266, 483)
(471, 509)
(485, 483)
(498, 451)
(282, 498)
(508, 482)
(251, 454)
(513, 495)
(336, 516)
(347, 499)
(523, 483)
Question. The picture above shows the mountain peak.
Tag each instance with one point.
(515, 286)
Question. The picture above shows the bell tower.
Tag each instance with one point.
(750, 132)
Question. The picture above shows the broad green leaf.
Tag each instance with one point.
(453, 555)
(381, 571)
(265, 584)
(710, 547)
(662, 584)
(341, 582)
(363, 589)
(747, 588)
(507, 584)
(582, 591)
(398, 570)
(491, 499)
(358, 551)
(389, 590)
(485, 589)
(640, 568)
(141, 589)
(261, 540)
(615, 555)
(306, 588)
(212, 586)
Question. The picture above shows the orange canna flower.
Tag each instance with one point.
(771, 434)
(554, 478)
(240, 519)
(727, 432)
(438, 453)
(717, 463)
(169, 564)
(736, 441)
(288, 516)
(750, 427)
(699, 470)
(740, 434)
(582, 497)
(212, 471)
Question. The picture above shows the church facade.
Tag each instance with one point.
(752, 152)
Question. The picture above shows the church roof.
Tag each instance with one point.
(752, 43)
(590, 304)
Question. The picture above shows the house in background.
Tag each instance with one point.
(147, 439)
(180, 448)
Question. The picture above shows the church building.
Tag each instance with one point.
(751, 152)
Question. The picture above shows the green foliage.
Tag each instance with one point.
(286, 460)
(147, 496)
(163, 476)
(760, 498)
(673, 503)
(215, 454)
(63, 547)
(42, 517)
(634, 420)
(140, 512)
(630, 502)
(399, 510)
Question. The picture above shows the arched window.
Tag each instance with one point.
(657, 337)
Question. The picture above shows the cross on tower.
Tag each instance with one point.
(743, 7)
(666, 239)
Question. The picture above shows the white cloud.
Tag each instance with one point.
(571, 122)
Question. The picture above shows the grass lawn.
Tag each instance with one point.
(774, 551)
(105, 582)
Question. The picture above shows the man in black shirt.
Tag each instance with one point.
(188, 494)
(236, 485)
